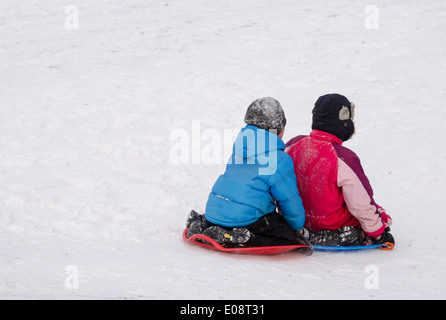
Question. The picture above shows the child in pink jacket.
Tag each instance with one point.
(336, 194)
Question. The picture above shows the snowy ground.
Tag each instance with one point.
(91, 203)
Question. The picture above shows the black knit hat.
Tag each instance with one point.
(266, 113)
(333, 113)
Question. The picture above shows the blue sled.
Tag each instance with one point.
(353, 248)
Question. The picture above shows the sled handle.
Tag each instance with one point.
(387, 246)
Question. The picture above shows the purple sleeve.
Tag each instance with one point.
(352, 160)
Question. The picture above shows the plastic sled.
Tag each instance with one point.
(210, 243)
(385, 246)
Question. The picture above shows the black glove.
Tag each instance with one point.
(385, 238)
(304, 241)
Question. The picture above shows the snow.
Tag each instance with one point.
(92, 205)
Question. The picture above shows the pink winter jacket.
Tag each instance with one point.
(333, 186)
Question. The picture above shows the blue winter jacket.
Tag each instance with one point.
(259, 176)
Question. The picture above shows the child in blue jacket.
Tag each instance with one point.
(256, 201)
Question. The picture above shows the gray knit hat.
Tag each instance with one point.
(266, 113)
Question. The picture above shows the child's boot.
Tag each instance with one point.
(228, 236)
(195, 223)
(351, 236)
(343, 237)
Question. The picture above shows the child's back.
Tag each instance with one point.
(258, 174)
(255, 202)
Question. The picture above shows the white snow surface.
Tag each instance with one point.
(86, 115)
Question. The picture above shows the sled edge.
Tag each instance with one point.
(214, 245)
(386, 247)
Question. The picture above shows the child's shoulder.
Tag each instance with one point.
(345, 153)
(293, 141)
(284, 160)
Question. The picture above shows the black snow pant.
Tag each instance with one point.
(270, 230)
